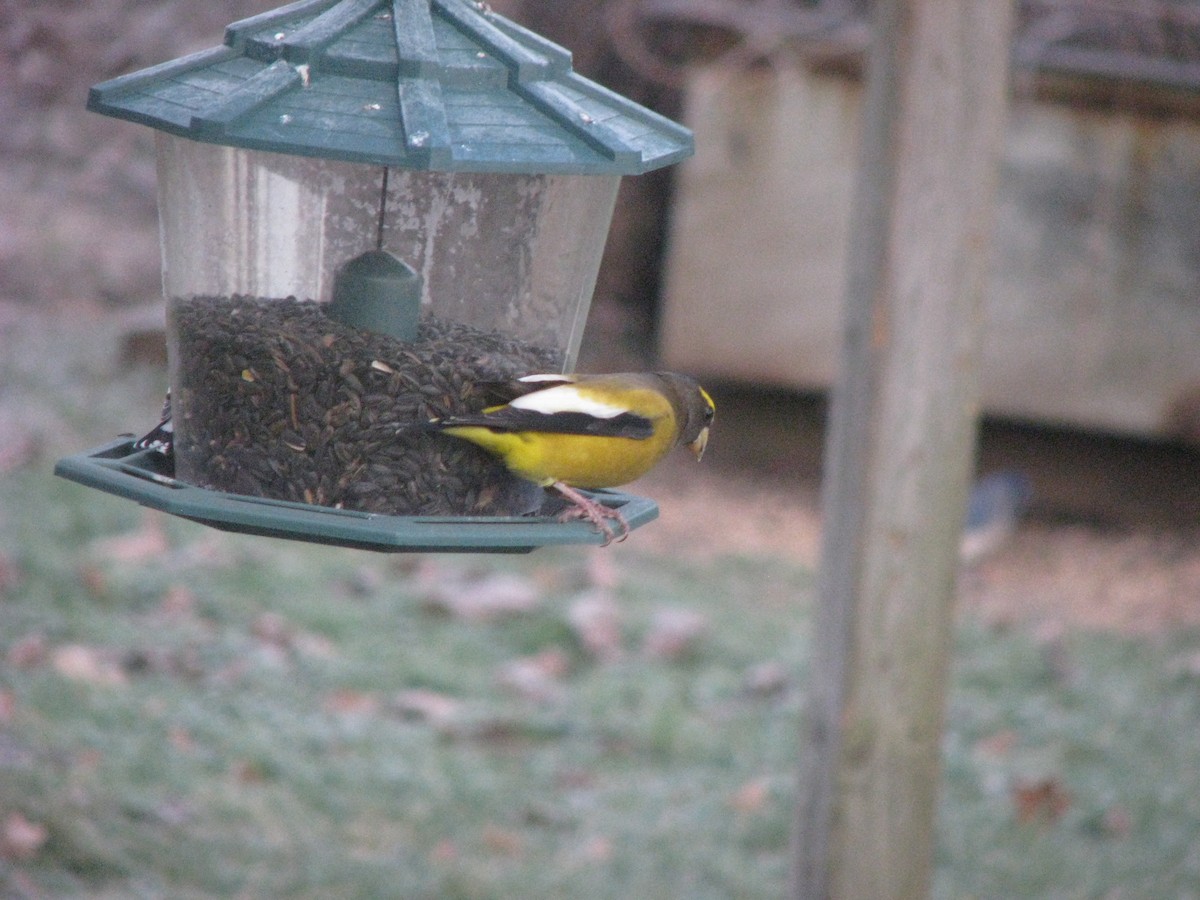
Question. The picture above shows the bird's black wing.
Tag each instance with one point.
(626, 425)
(498, 393)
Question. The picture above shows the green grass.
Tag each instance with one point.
(224, 763)
(240, 734)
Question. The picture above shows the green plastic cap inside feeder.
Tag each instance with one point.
(377, 292)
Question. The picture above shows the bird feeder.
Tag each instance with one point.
(370, 210)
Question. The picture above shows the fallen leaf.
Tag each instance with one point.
(1117, 822)
(16, 453)
(766, 679)
(444, 851)
(87, 664)
(751, 797)
(576, 779)
(998, 745)
(148, 542)
(314, 646)
(181, 739)
(175, 812)
(246, 772)
(597, 849)
(351, 703)
(28, 652)
(602, 569)
(595, 619)
(20, 838)
(674, 633)
(502, 840)
(87, 760)
(1044, 800)
(178, 602)
(230, 673)
(11, 575)
(537, 677)
(273, 629)
(479, 597)
(93, 579)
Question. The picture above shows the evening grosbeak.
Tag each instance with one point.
(588, 431)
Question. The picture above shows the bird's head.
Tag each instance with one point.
(695, 410)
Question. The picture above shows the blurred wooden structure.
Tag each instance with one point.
(1091, 305)
(900, 449)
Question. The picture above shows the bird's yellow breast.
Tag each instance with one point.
(584, 461)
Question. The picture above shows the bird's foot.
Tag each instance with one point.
(597, 513)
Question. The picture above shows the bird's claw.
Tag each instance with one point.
(597, 513)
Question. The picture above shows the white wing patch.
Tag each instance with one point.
(534, 379)
(566, 398)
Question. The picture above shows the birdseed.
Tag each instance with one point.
(276, 399)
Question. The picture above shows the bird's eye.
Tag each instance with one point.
(709, 412)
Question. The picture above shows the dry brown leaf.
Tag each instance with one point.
(1117, 822)
(595, 619)
(597, 849)
(602, 569)
(174, 812)
(504, 841)
(178, 602)
(20, 838)
(28, 652)
(86, 761)
(537, 677)
(181, 739)
(999, 744)
(16, 453)
(751, 797)
(576, 779)
(444, 851)
(274, 630)
(1044, 800)
(351, 703)
(674, 633)
(246, 772)
(478, 597)
(314, 646)
(147, 543)
(93, 579)
(766, 679)
(11, 575)
(90, 665)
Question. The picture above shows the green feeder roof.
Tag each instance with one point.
(421, 84)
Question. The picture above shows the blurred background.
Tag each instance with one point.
(728, 266)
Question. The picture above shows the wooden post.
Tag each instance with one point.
(900, 448)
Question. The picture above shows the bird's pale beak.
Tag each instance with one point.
(697, 446)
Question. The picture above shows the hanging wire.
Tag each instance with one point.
(383, 189)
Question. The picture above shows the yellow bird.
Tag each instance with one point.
(589, 431)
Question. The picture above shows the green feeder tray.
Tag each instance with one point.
(119, 469)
